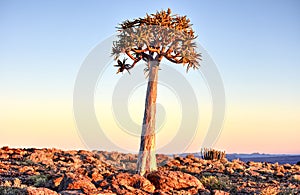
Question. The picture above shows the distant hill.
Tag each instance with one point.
(271, 158)
(258, 157)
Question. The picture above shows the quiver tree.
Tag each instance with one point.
(150, 39)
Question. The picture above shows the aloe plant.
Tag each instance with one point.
(212, 154)
(150, 39)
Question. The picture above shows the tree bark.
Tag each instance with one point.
(146, 158)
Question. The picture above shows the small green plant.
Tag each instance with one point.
(287, 191)
(27, 162)
(39, 180)
(212, 154)
(218, 183)
(11, 190)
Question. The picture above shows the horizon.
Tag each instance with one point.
(255, 46)
(168, 154)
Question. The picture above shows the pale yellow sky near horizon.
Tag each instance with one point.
(50, 123)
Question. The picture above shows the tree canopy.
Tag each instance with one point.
(154, 37)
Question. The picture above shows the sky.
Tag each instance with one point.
(254, 44)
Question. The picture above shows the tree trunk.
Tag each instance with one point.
(146, 158)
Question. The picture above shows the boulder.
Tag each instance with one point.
(73, 181)
(296, 178)
(126, 183)
(167, 181)
(41, 156)
(40, 191)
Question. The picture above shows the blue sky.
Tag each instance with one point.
(256, 45)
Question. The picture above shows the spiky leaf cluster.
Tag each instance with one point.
(157, 36)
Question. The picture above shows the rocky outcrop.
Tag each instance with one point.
(237, 176)
(54, 171)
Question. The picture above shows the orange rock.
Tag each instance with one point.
(296, 178)
(73, 181)
(125, 183)
(175, 180)
(35, 191)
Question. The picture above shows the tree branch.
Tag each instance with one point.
(174, 60)
(153, 50)
(131, 57)
(160, 56)
(138, 50)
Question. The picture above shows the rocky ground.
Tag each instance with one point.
(53, 171)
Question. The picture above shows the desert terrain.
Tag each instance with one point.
(54, 171)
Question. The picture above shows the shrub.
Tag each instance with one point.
(12, 190)
(39, 180)
(287, 191)
(218, 183)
